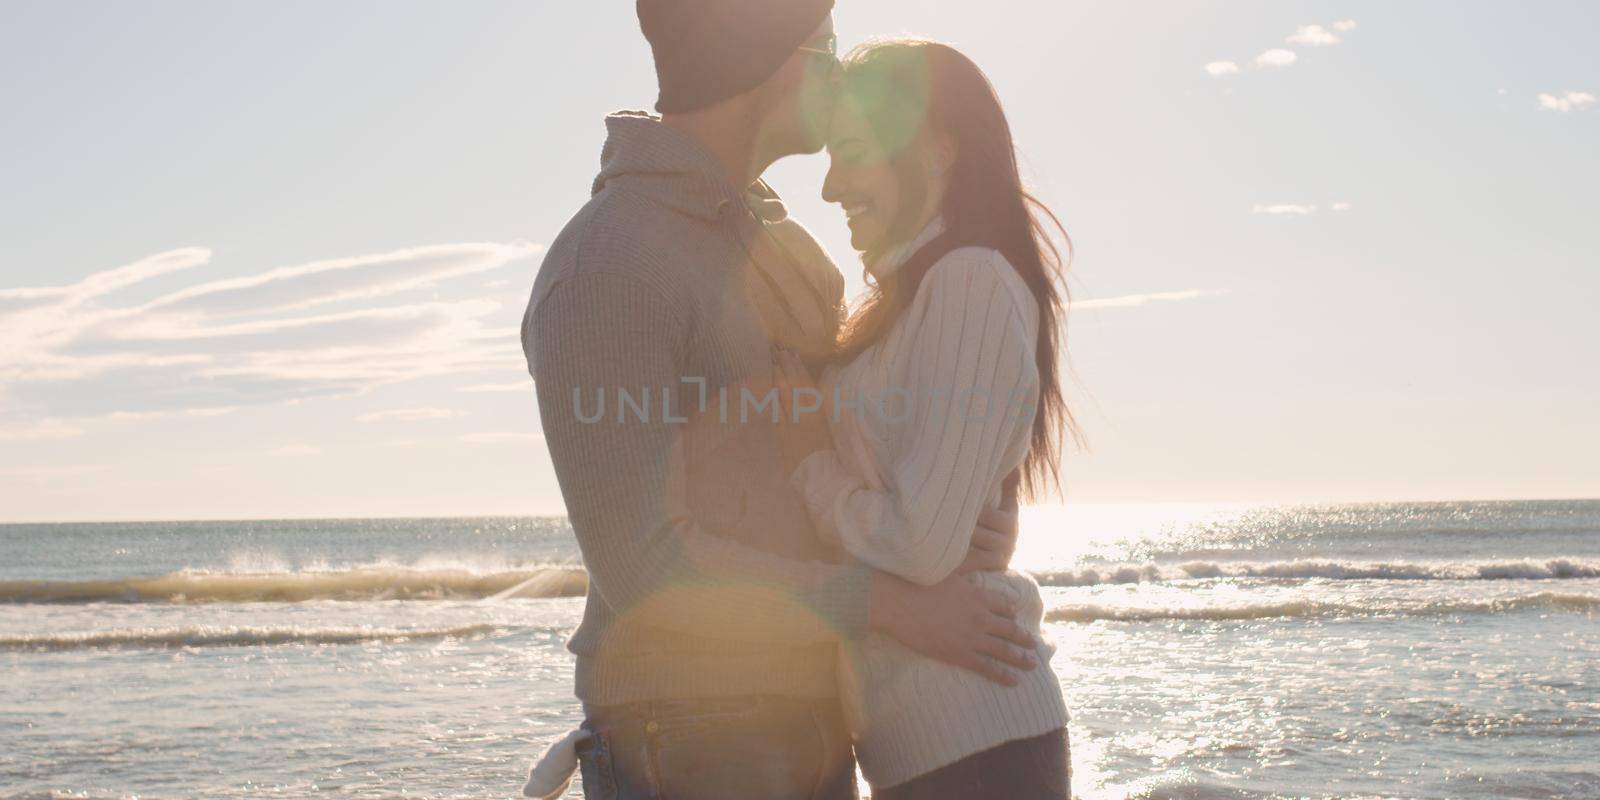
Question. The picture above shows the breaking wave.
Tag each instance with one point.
(385, 581)
(1333, 570)
(371, 582)
(229, 637)
(1552, 601)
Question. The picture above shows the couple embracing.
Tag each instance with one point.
(797, 520)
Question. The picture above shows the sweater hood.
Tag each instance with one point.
(646, 158)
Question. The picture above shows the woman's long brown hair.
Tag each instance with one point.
(906, 86)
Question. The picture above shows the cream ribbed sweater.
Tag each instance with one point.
(931, 421)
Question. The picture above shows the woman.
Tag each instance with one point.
(944, 383)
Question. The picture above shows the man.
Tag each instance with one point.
(707, 655)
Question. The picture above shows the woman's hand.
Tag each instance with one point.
(994, 542)
(805, 430)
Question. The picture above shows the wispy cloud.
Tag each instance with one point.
(1284, 210)
(1314, 36)
(1566, 101)
(1275, 58)
(325, 328)
(1130, 300)
(408, 415)
(1340, 206)
(330, 281)
(63, 298)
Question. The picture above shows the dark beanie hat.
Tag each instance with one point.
(707, 51)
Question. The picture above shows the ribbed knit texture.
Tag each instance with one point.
(903, 490)
(705, 575)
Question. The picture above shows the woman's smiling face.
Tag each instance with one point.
(861, 179)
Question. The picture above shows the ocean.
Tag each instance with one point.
(1421, 650)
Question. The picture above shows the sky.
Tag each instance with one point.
(268, 260)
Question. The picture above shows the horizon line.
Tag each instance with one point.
(353, 518)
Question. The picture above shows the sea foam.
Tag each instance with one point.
(229, 637)
(1531, 569)
(1096, 612)
(371, 582)
(449, 580)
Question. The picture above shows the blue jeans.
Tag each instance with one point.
(733, 748)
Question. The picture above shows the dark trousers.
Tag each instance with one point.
(733, 748)
(1038, 768)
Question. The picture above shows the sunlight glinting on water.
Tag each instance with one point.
(1429, 650)
(1055, 536)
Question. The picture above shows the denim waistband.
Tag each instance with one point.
(667, 708)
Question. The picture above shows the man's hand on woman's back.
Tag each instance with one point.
(954, 621)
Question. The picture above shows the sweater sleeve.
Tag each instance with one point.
(622, 479)
(972, 384)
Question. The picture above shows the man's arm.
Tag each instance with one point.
(622, 481)
(995, 540)
(650, 560)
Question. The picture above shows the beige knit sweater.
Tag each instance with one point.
(930, 421)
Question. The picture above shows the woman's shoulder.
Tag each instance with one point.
(967, 274)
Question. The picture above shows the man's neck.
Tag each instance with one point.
(729, 136)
